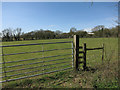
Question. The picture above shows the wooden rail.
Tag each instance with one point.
(94, 48)
(84, 52)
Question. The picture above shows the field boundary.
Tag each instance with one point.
(75, 59)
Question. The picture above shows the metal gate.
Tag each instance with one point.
(20, 64)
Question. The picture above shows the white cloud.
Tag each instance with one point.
(88, 29)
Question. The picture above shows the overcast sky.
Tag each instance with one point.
(58, 15)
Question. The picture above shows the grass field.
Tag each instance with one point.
(99, 74)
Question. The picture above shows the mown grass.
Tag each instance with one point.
(98, 75)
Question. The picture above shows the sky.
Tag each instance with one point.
(58, 15)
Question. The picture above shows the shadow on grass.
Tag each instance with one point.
(90, 69)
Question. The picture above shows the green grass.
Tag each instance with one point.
(9, 50)
(95, 77)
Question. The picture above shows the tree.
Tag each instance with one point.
(97, 28)
(18, 33)
(7, 34)
(81, 33)
(72, 31)
(57, 32)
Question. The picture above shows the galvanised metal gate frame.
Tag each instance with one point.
(4, 66)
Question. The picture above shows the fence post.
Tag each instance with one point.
(84, 49)
(76, 51)
(102, 53)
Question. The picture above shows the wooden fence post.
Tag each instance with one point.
(103, 53)
(76, 51)
(84, 49)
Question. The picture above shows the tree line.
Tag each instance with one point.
(97, 32)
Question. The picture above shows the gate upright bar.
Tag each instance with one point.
(84, 66)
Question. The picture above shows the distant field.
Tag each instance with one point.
(93, 57)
